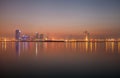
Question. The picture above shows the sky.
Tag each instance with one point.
(60, 17)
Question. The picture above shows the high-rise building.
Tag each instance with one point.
(17, 34)
(37, 35)
(87, 35)
(41, 36)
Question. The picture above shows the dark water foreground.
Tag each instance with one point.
(59, 59)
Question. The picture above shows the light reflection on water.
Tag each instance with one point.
(3, 45)
(39, 57)
(87, 47)
(119, 47)
(71, 46)
(17, 45)
(36, 50)
(112, 47)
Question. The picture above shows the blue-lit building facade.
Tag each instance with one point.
(25, 37)
(17, 34)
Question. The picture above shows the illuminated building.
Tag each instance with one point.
(41, 36)
(17, 34)
(37, 35)
(25, 37)
(87, 36)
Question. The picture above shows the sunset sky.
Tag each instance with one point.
(60, 16)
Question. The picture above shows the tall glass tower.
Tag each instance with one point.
(17, 34)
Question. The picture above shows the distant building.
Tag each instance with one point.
(87, 35)
(37, 35)
(41, 36)
(17, 34)
(25, 37)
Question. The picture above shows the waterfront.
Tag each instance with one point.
(33, 59)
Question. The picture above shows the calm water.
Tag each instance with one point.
(33, 59)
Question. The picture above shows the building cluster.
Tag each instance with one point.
(24, 37)
(19, 36)
(40, 36)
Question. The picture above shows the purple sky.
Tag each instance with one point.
(62, 17)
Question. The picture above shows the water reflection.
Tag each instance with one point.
(91, 46)
(4, 45)
(81, 46)
(106, 46)
(86, 46)
(113, 47)
(44, 46)
(73, 45)
(110, 47)
(38, 57)
(119, 47)
(17, 47)
(25, 46)
(95, 46)
(36, 48)
(112, 43)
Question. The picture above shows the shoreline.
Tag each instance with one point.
(59, 41)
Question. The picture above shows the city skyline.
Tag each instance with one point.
(61, 17)
(42, 37)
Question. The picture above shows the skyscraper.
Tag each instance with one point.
(37, 35)
(17, 34)
(41, 36)
(87, 35)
